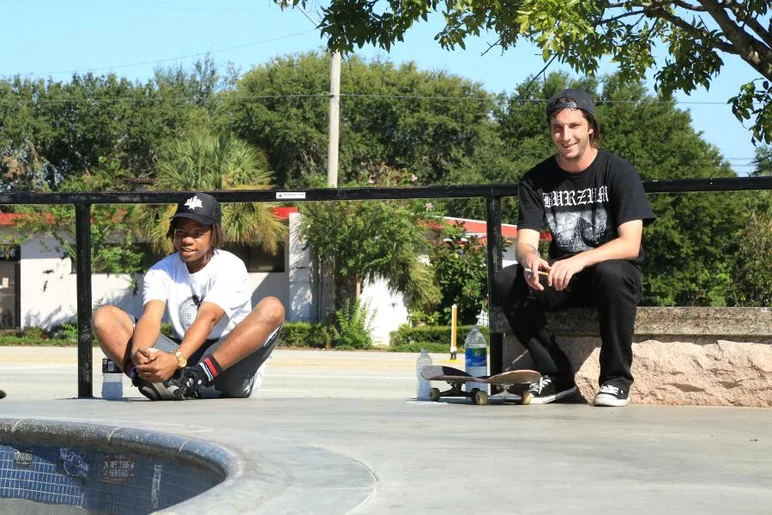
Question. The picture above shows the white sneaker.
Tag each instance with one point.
(611, 395)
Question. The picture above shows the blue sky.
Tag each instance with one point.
(54, 38)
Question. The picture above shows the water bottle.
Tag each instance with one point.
(112, 380)
(476, 353)
(422, 386)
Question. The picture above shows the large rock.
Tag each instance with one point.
(725, 373)
(691, 368)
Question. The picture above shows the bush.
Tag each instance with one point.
(353, 326)
(433, 338)
(64, 335)
(66, 331)
(303, 334)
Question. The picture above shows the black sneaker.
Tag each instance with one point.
(193, 381)
(548, 389)
(612, 395)
(169, 390)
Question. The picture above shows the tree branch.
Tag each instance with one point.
(625, 15)
(752, 51)
(541, 71)
(657, 11)
(744, 17)
(491, 46)
(689, 7)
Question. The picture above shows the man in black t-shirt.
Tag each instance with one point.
(595, 207)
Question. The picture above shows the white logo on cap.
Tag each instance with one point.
(193, 202)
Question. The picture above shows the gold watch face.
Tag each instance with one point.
(181, 360)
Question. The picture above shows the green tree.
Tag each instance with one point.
(695, 33)
(68, 127)
(205, 162)
(763, 161)
(460, 267)
(113, 249)
(371, 240)
(431, 124)
(752, 268)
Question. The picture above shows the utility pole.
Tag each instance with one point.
(334, 128)
(333, 131)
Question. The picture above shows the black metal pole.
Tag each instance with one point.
(495, 254)
(83, 270)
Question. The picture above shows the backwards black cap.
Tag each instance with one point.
(570, 99)
(200, 207)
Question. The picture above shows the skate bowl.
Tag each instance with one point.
(57, 467)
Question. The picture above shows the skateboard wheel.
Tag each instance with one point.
(434, 394)
(480, 398)
(526, 398)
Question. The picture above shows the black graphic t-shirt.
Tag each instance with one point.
(582, 210)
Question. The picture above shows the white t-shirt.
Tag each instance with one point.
(223, 281)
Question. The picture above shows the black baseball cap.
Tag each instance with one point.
(570, 99)
(200, 207)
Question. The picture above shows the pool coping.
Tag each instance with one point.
(228, 466)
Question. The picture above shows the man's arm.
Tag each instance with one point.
(528, 256)
(147, 330)
(627, 245)
(160, 365)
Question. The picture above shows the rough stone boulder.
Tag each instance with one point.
(681, 356)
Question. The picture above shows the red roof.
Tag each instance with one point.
(9, 219)
(480, 228)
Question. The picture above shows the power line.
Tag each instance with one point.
(311, 95)
(160, 99)
(160, 61)
(325, 96)
(126, 6)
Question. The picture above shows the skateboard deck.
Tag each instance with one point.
(517, 380)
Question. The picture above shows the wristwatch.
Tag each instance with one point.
(182, 361)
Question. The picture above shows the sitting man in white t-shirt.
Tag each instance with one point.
(220, 342)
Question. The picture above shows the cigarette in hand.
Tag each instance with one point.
(541, 272)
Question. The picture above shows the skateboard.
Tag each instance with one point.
(517, 380)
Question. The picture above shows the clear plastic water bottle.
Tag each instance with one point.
(476, 353)
(112, 380)
(422, 386)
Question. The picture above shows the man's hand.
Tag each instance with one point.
(535, 265)
(141, 357)
(158, 365)
(563, 270)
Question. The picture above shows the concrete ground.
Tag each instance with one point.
(339, 432)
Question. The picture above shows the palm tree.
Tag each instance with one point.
(206, 162)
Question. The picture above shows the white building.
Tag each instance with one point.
(38, 285)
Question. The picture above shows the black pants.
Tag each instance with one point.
(614, 287)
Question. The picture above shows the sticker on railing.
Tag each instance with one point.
(287, 195)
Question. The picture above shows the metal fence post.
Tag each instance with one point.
(495, 255)
(83, 270)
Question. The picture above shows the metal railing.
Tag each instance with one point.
(491, 193)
